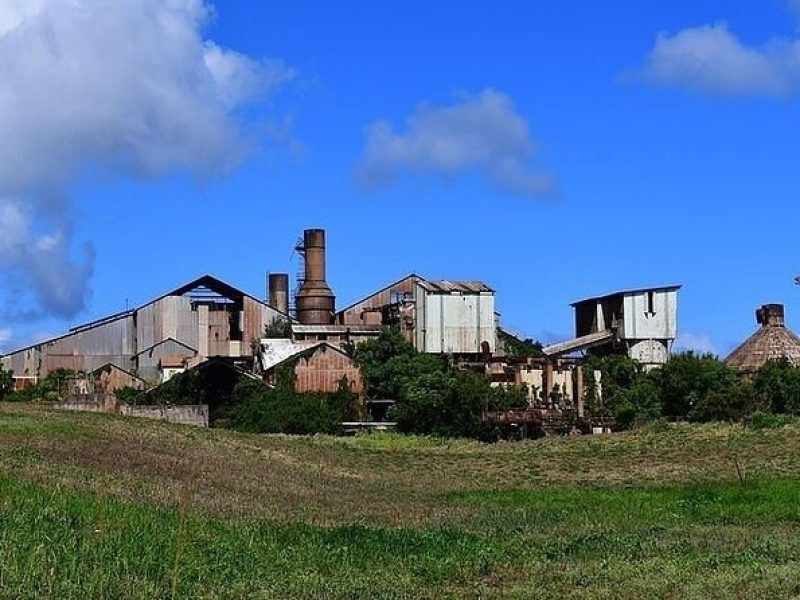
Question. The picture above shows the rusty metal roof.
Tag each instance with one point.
(172, 362)
(454, 287)
(275, 352)
(770, 342)
(628, 292)
(383, 289)
(337, 329)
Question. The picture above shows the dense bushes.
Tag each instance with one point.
(245, 404)
(259, 409)
(432, 397)
(689, 386)
(51, 388)
(6, 383)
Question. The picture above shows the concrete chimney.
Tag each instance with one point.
(770, 315)
(279, 292)
(315, 300)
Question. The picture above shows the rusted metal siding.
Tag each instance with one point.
(322, 370)
(148, 360)
(363, 312)
(112, 378)
(119, 338)
(255, 317)
(83, 350)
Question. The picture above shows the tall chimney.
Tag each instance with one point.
(770, 315)
(279, 292)
(315, 300)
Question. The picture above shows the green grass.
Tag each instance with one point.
(99, 506)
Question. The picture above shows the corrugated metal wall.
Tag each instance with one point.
(455, 323)
(324, 369)
(660, 323)
(119, 340)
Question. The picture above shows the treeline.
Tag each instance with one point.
(432, 397)
(691, 387)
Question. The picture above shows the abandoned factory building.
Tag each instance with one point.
(207, 319)
(203, 318)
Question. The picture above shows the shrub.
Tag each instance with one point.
(432, 397)
(129, 395)
(762, 420)
(6, 383)
(256, 408)
(688, 379)
(777, 386)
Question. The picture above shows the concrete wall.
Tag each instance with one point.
(195, 414)
(90, 403)
(649, 352)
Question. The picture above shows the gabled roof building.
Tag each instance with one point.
(204, 318)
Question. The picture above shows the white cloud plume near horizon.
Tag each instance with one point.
(710, 59)
(482, 132)
(700, 343)
(128, 88)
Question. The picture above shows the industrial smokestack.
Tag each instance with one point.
(315, 300)
(770, 315)
(279, 292)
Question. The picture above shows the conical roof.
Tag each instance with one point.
(771, 342)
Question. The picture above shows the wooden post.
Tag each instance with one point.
(580, 390)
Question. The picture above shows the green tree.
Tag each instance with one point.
(626, 392)
(258, 409)
(736, 405)
(432, 397)
(6, 382)
(776, 386)
(519, 348)
(389, 363)
(687, 379)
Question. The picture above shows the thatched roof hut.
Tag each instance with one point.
(771, 342)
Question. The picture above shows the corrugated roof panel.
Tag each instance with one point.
(449, 287)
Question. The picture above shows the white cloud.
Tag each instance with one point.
(700, 343)
(483, 132)
(129, 87)
(710, 59)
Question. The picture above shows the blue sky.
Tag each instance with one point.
(555, 150)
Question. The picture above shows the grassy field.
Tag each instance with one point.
(96, 506)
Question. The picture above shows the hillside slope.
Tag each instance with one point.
(98, 505)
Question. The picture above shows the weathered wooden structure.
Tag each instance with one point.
(203, 318)
(317, 366)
